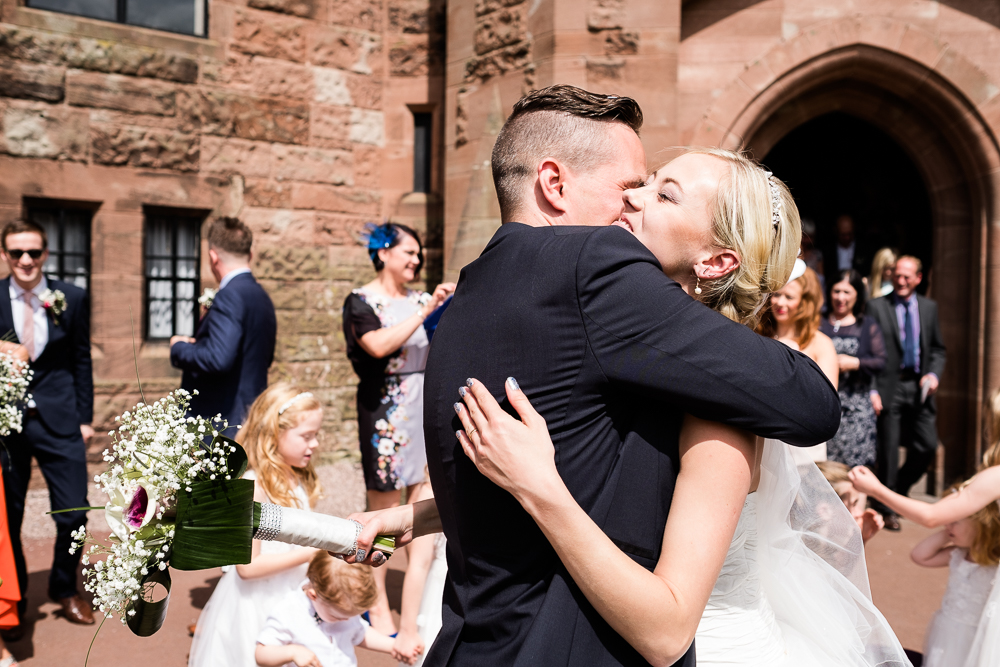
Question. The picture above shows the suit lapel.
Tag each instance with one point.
(6, 312)
(890, 306)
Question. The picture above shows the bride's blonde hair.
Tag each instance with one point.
(259, 436)
(742, 222)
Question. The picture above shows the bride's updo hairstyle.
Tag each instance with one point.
(744, 222)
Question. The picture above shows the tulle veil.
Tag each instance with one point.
(813, 569)
(985, 650)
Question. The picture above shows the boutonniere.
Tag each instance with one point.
(53, 301)
(207, 297)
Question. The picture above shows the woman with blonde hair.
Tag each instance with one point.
(880, 280)
(735, 565)
(280, 435)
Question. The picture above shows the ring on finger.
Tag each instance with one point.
(471, 431)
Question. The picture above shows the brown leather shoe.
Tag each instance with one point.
(891, 522)
(77, 610)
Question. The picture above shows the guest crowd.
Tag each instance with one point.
(856, 314)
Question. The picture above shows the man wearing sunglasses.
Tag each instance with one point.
(57, 420)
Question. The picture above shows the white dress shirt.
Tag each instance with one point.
(845, 257)
(294, 621)
(228, 278)
(41, 317)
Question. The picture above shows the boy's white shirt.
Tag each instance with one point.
(294, 621)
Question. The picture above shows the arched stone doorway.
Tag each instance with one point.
(939, 128)
(864, 174)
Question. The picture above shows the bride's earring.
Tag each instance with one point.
(697, 285)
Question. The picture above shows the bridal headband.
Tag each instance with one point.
(290, 402)
(776, 203)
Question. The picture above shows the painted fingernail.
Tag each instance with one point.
(458, 434)
(378, 558)
(469, 382)
(462, 391)
(458, 408)
(513, 384)
(361, 555)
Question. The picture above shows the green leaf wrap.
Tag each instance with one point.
(214, 525)
(149, 616)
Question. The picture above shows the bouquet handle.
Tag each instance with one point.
(311, 529)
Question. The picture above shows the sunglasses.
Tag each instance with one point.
(33, 254)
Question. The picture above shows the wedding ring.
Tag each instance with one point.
(471, 431)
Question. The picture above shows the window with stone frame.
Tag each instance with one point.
(189, 17)
(172, 260)
(68, 233)
(422, 151)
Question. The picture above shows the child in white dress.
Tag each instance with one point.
(970, 549)
(280, 435)
(318, 625)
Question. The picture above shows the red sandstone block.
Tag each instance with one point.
(283, 228)
(235, 156)
(881, 31)
(31, 81)
(757, 76)
(126, 93)
(367, 167)
(49, 132)
(264, 34)
(728, 107)
(280, 78)
(346, 49)
(336, 198)
(921, 46)
(966, 77)
(265, 193)
(338, 229)
(364, 91)
(314, 165)
(310, 9)
(362, 14)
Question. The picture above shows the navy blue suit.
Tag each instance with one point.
(612, 353)
(234, 348)
(63, 391)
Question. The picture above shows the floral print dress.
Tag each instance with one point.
(390, 390)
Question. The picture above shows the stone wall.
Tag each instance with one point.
(293, 114)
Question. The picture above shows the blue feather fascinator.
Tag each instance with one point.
(378, 237)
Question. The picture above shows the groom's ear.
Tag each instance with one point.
(552, 184)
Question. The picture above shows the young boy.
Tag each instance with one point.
(868, 520)
(319, 625)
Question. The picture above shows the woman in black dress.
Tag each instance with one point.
(388, 347)
(861, 356)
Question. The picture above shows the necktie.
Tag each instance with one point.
(909, 342)
(28, 330)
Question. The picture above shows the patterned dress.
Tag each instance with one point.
(856, 440)
(390, 390)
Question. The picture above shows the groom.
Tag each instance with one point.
(612, 353)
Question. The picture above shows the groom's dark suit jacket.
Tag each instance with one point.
(612, 353)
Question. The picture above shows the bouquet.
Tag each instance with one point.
(174, 501)
(14, 380)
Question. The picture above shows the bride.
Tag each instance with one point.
(792, 589)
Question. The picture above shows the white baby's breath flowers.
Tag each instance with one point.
(14, 380)
(156, 451)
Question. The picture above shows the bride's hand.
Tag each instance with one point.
(517, 456)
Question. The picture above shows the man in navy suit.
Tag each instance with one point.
(228, 358)
(57, 419)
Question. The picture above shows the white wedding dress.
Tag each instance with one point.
(793, 591)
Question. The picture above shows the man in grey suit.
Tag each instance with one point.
(904, 395)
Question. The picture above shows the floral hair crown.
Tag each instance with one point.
(290, 402)
(378, 237)
(776, 204)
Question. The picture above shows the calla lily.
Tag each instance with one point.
(114, 514)
(141, 509)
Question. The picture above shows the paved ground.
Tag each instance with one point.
(905, 593)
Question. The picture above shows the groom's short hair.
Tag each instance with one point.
(562, 122)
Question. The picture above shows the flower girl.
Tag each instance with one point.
(279, 436)
(976, 498)
(970, 548)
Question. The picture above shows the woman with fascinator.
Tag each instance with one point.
(388, 346)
